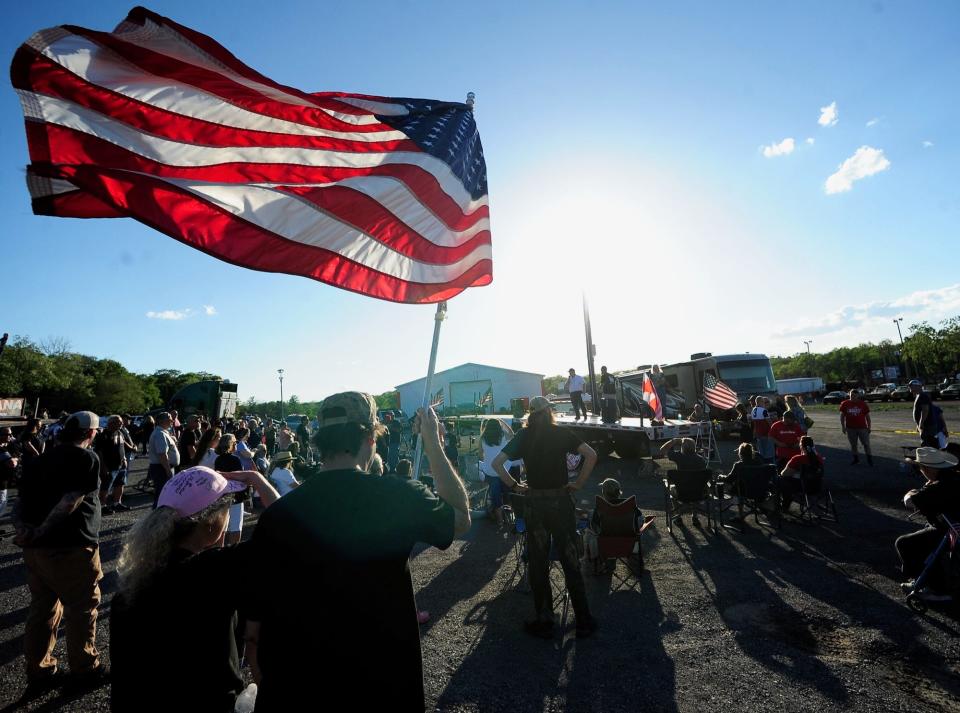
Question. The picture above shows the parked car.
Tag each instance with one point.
(901, 393)
(835, 397)
(951, 392)
(933, 390)
(881, 393)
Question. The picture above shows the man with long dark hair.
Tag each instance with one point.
(543, 446)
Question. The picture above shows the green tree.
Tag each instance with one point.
(388, 399)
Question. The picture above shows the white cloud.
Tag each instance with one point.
(927, 144)
(782, 149)
(170, 314)
(209, 310)
(810, 141)
(866, 161)
(930, 305)
(873, 122)
(828, 115)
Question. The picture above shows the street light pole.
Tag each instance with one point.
(280, 372)
(808, 342)
(903, 357)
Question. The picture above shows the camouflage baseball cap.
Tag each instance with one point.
(348, 407)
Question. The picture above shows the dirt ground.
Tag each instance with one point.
(808, 617)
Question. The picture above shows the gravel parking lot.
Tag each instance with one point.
(809, 617)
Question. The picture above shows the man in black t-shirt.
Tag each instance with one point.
(923, 415)
(609, 409)
(58, 524)
(344, 538)
(550, 512)
(187, 443)
(111, 448)
(394, 438)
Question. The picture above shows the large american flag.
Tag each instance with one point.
(158, 122)
(718, 394)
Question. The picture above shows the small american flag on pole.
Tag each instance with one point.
(437, 400)
(487, 397)
(718, 394)
(158, 122)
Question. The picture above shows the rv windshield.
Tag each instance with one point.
(748, 377)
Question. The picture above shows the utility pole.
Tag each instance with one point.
(280, 372)
(808, 342)
(903, 357)
(594, 404)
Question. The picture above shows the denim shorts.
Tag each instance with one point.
(496, 490)
(114, 479)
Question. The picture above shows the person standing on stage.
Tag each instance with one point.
(544, 446)
(609, 410)
(575, 386)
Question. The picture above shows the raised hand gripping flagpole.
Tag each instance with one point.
(440, 315)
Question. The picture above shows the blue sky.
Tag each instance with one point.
(625, 153)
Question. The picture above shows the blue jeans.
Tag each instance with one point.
(393, 456)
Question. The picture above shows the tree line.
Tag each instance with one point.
(54, 379)
(929, 353)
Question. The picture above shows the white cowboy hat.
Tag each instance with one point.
(932, 458)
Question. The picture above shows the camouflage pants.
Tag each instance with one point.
(553, 519)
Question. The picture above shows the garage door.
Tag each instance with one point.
(466, 394)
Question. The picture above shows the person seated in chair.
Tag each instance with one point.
(686, 458)
(611, 492)
(940, 495)
(789, 481)
(747, 459)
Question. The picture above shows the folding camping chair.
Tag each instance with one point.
(756, 486)
(619, 535)
(688, 491)
(816, 500)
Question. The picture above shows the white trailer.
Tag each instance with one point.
(802, 385)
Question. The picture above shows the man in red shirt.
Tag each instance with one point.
(785, 435)
(760, 418)
(855, 422)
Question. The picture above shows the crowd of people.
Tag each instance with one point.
(328, 560)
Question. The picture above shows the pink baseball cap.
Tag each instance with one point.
(193, 489)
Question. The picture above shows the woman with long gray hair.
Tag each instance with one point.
(173, 620)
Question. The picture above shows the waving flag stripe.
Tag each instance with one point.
(60, 112)
(155, 121)
(77, 68)
(296, 220)
(78, 148)
(238, 241)
(371, 218)
(164, 36)
(205, 76)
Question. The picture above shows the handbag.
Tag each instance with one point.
(807, 421)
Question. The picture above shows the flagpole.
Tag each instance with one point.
(589, 335)
(438, 318)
